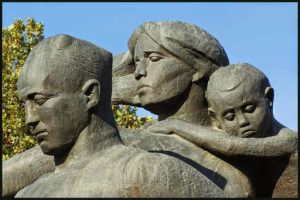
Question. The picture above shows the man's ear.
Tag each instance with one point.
(91, 89)
(269, 94)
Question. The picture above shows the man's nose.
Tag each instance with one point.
(31, 115)
(140, 70)
(243, 120)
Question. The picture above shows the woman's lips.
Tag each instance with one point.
(143, 90)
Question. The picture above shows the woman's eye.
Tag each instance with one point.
(40, 99)
(250, 108)
(154, 57)
(229, 116)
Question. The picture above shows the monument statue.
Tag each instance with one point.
(173, 61)
(65, 86)
(240, 100)
(166, 71)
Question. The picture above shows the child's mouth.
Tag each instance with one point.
(248, 133)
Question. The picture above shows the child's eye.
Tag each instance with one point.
(250, 108)
(229, 116)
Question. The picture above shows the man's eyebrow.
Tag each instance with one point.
(22, 93)
(27, 93)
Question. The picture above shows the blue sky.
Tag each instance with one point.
(262, 34)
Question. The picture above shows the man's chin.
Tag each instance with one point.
(51, 150)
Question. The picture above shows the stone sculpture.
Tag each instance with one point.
(166, 71)
(240, 101)
(173, 63)
(65, 86)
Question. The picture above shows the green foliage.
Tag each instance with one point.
(126, 117)
(17, 41)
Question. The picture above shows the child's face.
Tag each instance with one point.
(243, 112)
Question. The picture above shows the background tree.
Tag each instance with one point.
(17, 41)
(126, 117)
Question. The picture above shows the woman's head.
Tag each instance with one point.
(169, 56)
(194, 46)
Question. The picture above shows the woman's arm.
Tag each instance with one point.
(23, 169)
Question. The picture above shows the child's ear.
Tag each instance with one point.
(269, 94)
(213, 118)
(211, 112)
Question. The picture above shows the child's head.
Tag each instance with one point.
(240, 100)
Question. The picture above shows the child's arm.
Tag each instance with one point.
(220, 142)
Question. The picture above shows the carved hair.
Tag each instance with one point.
(76, 59)
(232, 76)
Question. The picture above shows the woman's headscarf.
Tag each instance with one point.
(192, 45)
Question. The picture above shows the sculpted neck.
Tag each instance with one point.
(96, 137)
(273, 127)
(193, 109)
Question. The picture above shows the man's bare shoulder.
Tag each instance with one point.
(148, 174)
(137, 173)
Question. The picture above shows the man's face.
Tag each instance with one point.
(161, 76)
(55, 116)
(242, 112)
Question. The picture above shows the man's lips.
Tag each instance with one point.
(40, 136)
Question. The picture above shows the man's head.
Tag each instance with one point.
(62, 83)
(169, 56)
(240, 100)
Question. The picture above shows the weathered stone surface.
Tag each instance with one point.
(23, 169)
(287, 184)
(122, 171)
(232, 181)
(123, 82)
(123, 64)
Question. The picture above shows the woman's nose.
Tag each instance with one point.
(140, 71)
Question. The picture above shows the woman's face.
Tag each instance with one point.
(162, 77)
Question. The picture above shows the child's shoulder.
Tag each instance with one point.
(286, 130)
